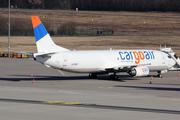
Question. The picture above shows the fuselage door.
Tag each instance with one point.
(163, 59)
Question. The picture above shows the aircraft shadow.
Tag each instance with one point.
(150, 88)
(43, 78)
(121, 78)
(165, 84)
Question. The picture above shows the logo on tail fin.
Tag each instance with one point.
(43, 41)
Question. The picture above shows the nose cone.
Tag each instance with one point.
(171, 63)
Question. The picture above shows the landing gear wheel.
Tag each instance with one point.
(116, 77)
(92, 76)
(113, 77)
(159, 75)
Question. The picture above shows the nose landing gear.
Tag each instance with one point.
(159, 74)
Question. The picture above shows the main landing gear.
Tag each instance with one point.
(159, 74)
(92, 76)
(113, 77)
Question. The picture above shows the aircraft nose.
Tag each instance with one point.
(172, 62)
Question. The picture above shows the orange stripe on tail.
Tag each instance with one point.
(35, 21)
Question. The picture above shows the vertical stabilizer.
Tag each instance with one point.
(43, 40)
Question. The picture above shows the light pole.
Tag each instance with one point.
(9, 32)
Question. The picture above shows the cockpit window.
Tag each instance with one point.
(175, 56)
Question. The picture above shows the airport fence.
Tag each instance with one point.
(3, 32)
(90, 31)
(84, 31)
(17, 32)
(60, 31)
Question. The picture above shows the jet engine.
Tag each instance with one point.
(139, 71)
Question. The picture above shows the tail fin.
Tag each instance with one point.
(43, 40)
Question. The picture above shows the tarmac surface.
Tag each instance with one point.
(75, 97)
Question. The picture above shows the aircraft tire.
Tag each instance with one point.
(159, 75)
(92, 76)
(113, 77)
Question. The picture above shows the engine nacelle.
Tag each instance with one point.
(139, 71)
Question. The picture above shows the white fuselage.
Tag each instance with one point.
(135, 62)
(97, 61)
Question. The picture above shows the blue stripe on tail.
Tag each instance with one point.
(40, 32)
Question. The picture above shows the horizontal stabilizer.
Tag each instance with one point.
(43, 54)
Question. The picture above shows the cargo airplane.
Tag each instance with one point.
(136, 62)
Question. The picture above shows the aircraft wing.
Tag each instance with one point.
(125, 67)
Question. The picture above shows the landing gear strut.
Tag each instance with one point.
(92, 76)
(159, 74)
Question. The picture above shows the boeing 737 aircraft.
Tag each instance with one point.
(137, 62)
